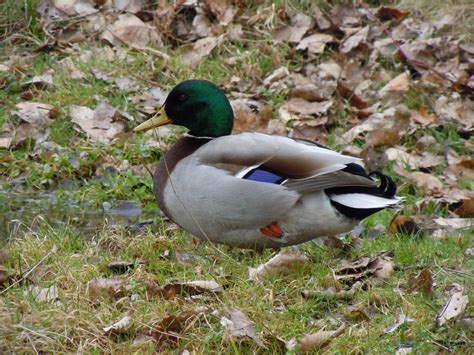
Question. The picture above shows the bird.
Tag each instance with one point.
(255, 190)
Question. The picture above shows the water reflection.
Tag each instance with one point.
(20, 211)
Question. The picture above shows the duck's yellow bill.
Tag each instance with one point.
(160, 119)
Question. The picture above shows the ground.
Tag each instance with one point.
(76, 256)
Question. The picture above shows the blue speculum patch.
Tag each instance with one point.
(262, 174)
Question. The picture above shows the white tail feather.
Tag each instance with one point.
(361, 201)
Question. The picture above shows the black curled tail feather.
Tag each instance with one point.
(387, 187)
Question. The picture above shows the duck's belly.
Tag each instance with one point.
(313, 216)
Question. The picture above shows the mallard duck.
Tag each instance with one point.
(254, 190)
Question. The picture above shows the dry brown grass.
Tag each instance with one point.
(461, 10)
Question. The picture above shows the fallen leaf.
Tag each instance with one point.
(321, 20)
(126, 84)
(132, 31)
(428, 183)
(466, 208)
(223, 10)
(251, 115)
(299, 25)
(315, 43)
(380, 266)
(40, 294)
(455, 223)
(100, 75)
(120, 327)
(168, 330)
(150, 100)
(40, 82)
(383, 128)
(455, 110)
(422, 282)
(403, 224)
(313, 342)
(455, 306)
(238, 325)
(112, 287)
(285, 262)
(201, 48)
(313, 130)
(276, 75)
(354, 40)
(333, 293)
(402, 158)
(401, 319)
(348, 93)
(297, 108)
(35, 113)
(131, 6)
(423, 118)
(387, 13)
(392, 93)
(404, 348)
(190, 288)
(101, 125)
(68, 65)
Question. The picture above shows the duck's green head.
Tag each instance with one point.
(198, 105)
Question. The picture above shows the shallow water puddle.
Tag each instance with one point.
(23, 211)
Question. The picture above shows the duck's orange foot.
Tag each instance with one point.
(273, 230)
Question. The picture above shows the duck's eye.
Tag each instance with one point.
(182, 97)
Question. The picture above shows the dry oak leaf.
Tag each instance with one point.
(251, 115)
(396, 87)
(427, 182)
(285, 262)
(403, 224)
(40, 294)
(422, 117)
(315, 43)
(318, 340)
(190, 288)
(223, 10)
(321, 20)
(466, 209)
(35, 113)
(385, 127)
(455, 306)
(238, 325)
(276, 75)
(380, 266)
(119, 327)
(422, 282)
(132, 31)
(455, 223)
(112, 287)
(201, 48)
(299, 25)
(354, 40)
(297, 108)
(171, 326)
(101, 125)
(387, 13)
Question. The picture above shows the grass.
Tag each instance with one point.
(275, 304)
(65, 239)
